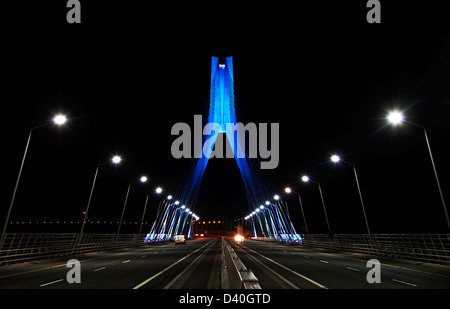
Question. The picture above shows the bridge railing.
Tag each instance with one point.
(18, 248)
(433, 248)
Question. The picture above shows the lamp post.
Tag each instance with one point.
(58, 120)
(289, 191)
(337, 159)
(397, 118)
(306, 179)
(157, 191)
(141, 180)
(115, 160)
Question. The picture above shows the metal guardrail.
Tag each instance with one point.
(432, 248)
(19, 248)
(235, 275)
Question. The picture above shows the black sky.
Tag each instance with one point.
(328, 84)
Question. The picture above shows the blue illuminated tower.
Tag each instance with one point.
(222, 109)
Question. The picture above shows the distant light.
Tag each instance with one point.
(267, 203)
(258, 210)
(159, 190)
(276, 197)
(336, 159)
(116, 160)
(396, 117)
(222, 66)
(183, 207)
(144, 179)
(177, 203)
(170, 197)
(239, 238)
(187, 209)
(305, 179)
(261, 207)
(288, 190)
(59, 120)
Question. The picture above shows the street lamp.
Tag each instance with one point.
(158, 191)
(397, 118)
(306, 179)
(58, 120)
(115, 160)
(337, 159)
(289, 191)
(143, 180)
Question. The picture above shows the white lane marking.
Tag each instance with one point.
(270, 269)
(306, 257)
(185, 270)
(53, 282)
(403, 282)
(144, 256)
(292, 271)
(354, 269)
(163, 271)
(100, 269)
(325, 262)
(127, 261)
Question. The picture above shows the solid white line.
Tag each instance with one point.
(322, 261)
(127, 261)
(163, 271)
(99, 269)
(292, 271)
(403, 282)
(354, 269)
(45, 284)
(185, 270)
(274, 272)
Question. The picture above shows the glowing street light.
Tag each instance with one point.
(141, 180)
(158, 191)
(115, 160)
(306, 179)
(289, 191)
(396, 118)
(58, 120)
(337, 159)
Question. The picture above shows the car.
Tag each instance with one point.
(180, 240)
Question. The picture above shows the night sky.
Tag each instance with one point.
(328, 84)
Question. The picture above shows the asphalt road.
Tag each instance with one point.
(194, 266)
(280, 266)
(198, 265)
